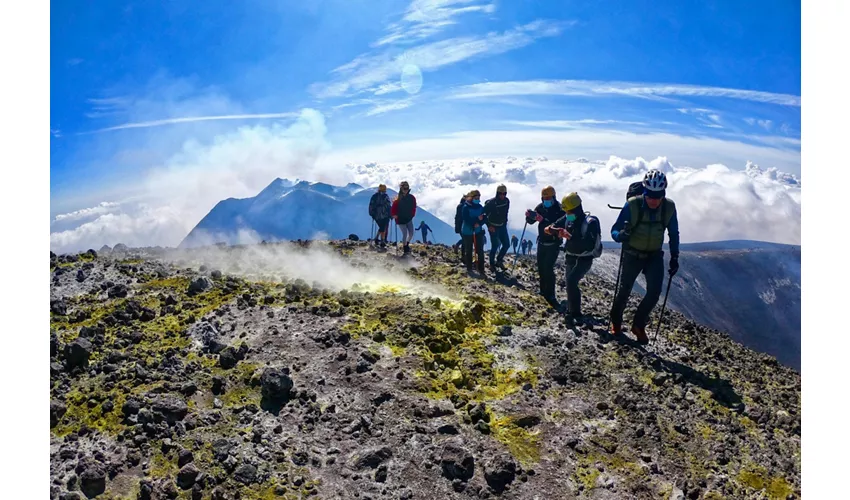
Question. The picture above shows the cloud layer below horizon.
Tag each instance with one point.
(724, 198)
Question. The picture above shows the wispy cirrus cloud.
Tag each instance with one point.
(378, 69)
(568, 124)
(591, 88)
(426, 18)
(190, 119)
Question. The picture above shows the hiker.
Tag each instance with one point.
(640, 229)
(459, 227)
(403, 210)
(546, 213)
(524, 246)
(584, 243)
(496, 210)
(379, 210)
(474, 220)
(530, 244)
(424, 228)
(514, 242)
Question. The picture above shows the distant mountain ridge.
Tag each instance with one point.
(291, 210)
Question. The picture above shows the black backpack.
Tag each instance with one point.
(635, 189)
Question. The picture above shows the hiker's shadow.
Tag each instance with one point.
(512, 281)
(721, 389)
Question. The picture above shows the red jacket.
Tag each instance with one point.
(409, 206)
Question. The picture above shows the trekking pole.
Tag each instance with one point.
(474, 249)
(516, 253)
(660, 319)
(372, 233)
(617, 286)
(612, 207)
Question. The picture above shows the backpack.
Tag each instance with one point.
(597, 245)
(635, 189)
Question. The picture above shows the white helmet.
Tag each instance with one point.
(655, 180)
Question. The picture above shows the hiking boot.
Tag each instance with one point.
(616, 329)
(640, 333)
(406, 249)
(553, 301)
(494, 268)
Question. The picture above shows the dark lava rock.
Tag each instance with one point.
(372, 457)
(528, 421)
(77, 353)
(199, 285)
(58, 307)
(93, 479)
(215, 274)
(71, 495)
(218, 385)
(228, 357)
(499, 472)
(276, 384)
(246, 474)
(185, 457)
(54, 344)
(221, 448)
(187, 475)
(209, 336)
(82, 275)
(118, 291)
(448, 429)
(57, 411)
(172, 408)
(457, 462)
(131, 407)
(381, 474)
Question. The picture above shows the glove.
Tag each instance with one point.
(674, 266)
(623, 236)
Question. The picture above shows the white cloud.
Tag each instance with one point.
(714, 202)
(750, 121)
(556, 124)
(585, 142)
(604, 88)
(426, 18)
(191, 119)
(172, 198)
(366, 71)
(55, 132)
(765, 124)
(390, 106)
(102, 208)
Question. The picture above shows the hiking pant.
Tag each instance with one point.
(652, 267)
(479, 250)
(382, 227)
(547, 256)
(502, 240)
(424, 236)
(514, 245)
(576, 268)
(406, 231)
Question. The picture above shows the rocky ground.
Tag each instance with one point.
(174, 375)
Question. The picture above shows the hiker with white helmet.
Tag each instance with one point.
(640, 229)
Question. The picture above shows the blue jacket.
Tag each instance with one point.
(672, 227)
(469, 215)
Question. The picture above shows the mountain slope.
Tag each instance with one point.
(749, 289)
(391, 378)
(291, 210)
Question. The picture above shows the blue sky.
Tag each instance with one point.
(138, 86)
